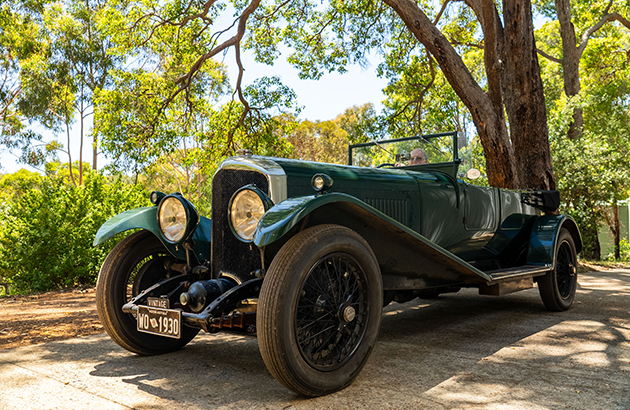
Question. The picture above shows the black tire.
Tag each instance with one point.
(315, 283)
(557, 288)
(135, 263)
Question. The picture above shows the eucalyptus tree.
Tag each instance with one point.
(21, 43)
(326, 36)
(591, 165)
(361, 123)
(173, 122)
(577, 24)
(59, 82)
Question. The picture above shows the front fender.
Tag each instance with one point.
(146, 218)
(544, 236)
(406, 258)
(282, 217)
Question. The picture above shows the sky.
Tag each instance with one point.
(321, 99)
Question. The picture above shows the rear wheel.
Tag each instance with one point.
(135, 264)
(320, 310)
(557, 288)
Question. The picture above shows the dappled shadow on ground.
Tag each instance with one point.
(49, 316)
(457, 351)
(509, 352)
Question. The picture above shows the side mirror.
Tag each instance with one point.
(473, 173)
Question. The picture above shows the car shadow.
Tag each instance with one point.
(442, 352)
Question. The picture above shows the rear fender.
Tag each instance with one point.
(544, 236)
(407, 259)
(146, 218)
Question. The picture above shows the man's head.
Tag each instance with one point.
(418, 157)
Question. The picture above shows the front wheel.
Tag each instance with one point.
(557, 288)
(320, 310)
(135, 264)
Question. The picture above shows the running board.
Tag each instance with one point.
(504, 281)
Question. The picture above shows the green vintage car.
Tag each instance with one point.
(304, 255)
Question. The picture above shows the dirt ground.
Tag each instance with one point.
(32, 319)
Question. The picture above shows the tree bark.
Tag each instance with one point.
(69, 155)
(592, 249)
(94, 151)
(524, 97)
(81, 140)
(500, 161)
(570, 63)
(616, 228)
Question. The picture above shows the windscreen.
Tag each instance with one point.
(404, 152)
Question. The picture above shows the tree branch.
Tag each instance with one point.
(549, 57)
(185, 80)
(606, 17)
(442, 10)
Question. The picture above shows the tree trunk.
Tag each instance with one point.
(500, 163)
(81, 143)
(570, 63)
(69, 155)
(614, 226)
(94, 151)
(524, 97)
(592, 249)
(617, 229)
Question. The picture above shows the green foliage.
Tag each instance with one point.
(20, 43)
(624, 252)
(47, 227)
(362, 124)
(327, 141)
(592, 171)
(319, 141)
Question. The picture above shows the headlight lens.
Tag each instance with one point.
(172, 218)
(245, 213)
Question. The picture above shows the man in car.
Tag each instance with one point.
(418, 157)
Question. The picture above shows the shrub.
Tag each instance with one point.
(624, 252)
(46, 232)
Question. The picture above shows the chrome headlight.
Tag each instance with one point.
(247, 206)
(176, 218)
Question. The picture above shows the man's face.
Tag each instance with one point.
(418, 157)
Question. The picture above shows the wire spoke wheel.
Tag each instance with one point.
(319, 310)
(331, 311)
(557, 288)
(566, 271)
(135, 264)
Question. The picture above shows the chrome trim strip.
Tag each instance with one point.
(274, 172)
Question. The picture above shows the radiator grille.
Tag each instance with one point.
(228, 253)
(397, 209)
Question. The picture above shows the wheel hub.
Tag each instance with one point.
(348, 314)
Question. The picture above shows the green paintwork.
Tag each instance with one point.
(146, 218)
(422, 204)
(282, 217)
(456, 216)
(543, 237)
(394, 191)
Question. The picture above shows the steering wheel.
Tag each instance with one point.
(387, 164)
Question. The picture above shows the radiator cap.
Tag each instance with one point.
(244, 152)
